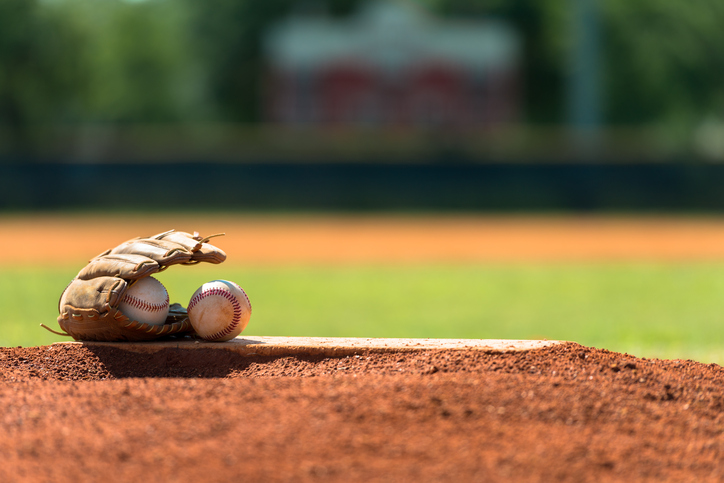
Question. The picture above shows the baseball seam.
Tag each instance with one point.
(228, 296)
(143, 305)
(248, 302)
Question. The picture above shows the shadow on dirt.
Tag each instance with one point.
(177, 362)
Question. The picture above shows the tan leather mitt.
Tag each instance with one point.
(88, 307)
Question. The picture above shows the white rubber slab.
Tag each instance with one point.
(330, 346)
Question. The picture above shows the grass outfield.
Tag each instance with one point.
(669, 310)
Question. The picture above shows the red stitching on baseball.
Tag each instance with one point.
(143, 305)
(248, 302)
(236, 318)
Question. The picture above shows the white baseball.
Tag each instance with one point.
(219, 310)
(146, 301)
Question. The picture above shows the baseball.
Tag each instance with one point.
(146, 300)
(219, 310)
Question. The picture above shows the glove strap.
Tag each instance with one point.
(54, 331)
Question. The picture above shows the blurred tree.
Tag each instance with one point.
(138, 66)
(37, 65)
(16, 53)
(661, 58)
(664, 60)
(189, 60)
(96, 61)
(228, 37)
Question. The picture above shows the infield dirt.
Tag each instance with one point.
(329, 239)
(563, 413)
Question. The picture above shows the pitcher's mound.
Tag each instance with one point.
(201, 412)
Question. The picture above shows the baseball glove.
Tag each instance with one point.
(88, 306)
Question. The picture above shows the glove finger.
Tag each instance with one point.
(163, 252)
(126, 266)
(200, 248)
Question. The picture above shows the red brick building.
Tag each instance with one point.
(392, 64)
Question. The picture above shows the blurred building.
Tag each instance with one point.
(392, 64)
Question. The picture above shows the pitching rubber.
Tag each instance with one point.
(331, 346)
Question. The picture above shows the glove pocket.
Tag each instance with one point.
(99, 294)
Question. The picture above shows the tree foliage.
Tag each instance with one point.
(663, 60)
(35, 78)
(75, 61)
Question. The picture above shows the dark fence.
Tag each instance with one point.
(449, 185)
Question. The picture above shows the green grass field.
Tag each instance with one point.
(649, 310)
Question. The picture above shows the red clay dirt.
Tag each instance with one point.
(328, 239)
(562, 413)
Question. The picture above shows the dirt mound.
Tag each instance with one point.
(564, 413)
